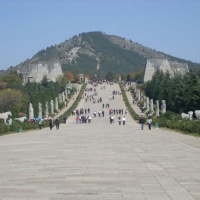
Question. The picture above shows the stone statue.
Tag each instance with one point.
(52, 107)
(151, 106)
(56, 103)
(47, 109)
(10, 121)
(157, 109)
(190, 113)
(163, 107)
(66, 94)
(31, 111)
(147, 104)
(63, 96)
(60, 98)
(40, 110)
(139, 95)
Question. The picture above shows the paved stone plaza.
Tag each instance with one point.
(99, 160)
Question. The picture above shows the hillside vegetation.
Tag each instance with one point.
(96, 53)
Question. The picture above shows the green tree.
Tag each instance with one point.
(13, 100)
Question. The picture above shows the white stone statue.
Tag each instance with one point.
(40, 110)
(190, 113)
(185, 116)
(163, 107)
(197, 114)
(157, 109)
(147, 104)
(139, 95)
(10, 121)
(47, 109)
(56, 103)
(52, 107)
(151, 105)
(60, 98)
(31, 111)
(66, 94)
(63, 97)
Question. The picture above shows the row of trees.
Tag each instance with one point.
(15, 97)
(182, 93)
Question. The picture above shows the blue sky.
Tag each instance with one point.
(28, 26)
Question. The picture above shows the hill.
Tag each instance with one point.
(98, 53)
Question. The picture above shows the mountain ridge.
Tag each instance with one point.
(99, 53)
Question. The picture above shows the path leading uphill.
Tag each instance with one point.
(99, 160)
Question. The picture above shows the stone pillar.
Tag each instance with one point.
(31, 111)
(151, 106)
(60, 98)
(139, 95)
(147, 104)
(157, 109)
(63, 97)
(40, 110)
(47, 109)
(56, 103)
(52, 107)
(66, 95)
(163, 107)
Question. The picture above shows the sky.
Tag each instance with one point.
(168, 26)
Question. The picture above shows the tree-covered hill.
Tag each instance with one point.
(98, 53)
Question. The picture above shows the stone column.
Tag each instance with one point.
(52, 107)
(47, 109)
(157, 109)
(56, 104)
(40, 110)
(163, 107)
(66, 94)
(63, 97)
(31, 111)
(147, 104)
(151, 106)
(139, 97)
(59, 98)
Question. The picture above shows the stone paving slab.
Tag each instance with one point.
(99, 161)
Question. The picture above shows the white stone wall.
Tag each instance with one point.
(35, 73)
(164, 65)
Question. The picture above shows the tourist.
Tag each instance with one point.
(50, 124)
(142, 121)
(57, 122)
(40, 124)
(124, 120)
(149, 122)
(119, 119)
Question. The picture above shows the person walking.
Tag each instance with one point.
(124, 120)
(40, 124)
(119, 119)
(149, 122)
(50, 124)
(142, 121)
(57, 122)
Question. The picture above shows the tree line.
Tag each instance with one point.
(181, 92)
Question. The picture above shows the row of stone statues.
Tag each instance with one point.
(53, 106)
(148, 103)
(149, 106)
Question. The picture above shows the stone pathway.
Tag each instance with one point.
(99, 161)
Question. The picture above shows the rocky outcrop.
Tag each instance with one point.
(164, 65)
(36, 72)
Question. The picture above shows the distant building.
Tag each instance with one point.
(164, 65)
